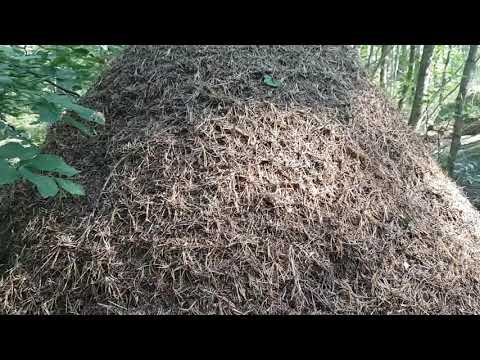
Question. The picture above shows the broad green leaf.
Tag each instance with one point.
(84, 129)
(268, 80)
(83, 112)
(65, 74)
(67, 83)
(45, 185)
(48, 113)
(62, 58)
(8, 174)
(5, 80)
(47, 162)
(71, 187)
(14, 150)
(81, 51)
(66, 78)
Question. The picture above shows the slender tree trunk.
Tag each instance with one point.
(382, 63)
(399, 70)
(420, 85)
(441, 90)
(378, 49)
(370, 53)
(431, 81)
(459, 106)
(407, 82)
(443, 82)
(418, 57)
(416, 64)
(398, 49)
(401, 62)
(375, 61)
(393, 69)
(384, 50)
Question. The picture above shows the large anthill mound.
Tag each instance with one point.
(211, 192)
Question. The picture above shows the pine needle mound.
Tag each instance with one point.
(210, 192)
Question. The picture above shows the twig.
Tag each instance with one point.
(53, 84)
(62, 88)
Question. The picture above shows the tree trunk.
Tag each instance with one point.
(370, 53)
(375, 61)
(459, 106)
(378, 49)
(401, 61)
(418, 57)
(430, 82)
(383, 56)
(392, 78)
(420, 85)
(443, 82)
(408, 79)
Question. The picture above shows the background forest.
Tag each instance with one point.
(437, 87)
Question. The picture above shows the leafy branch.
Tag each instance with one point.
(24, 72)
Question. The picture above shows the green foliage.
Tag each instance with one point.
(441, 90)
(8, 174)
(46, 186)
(443, 79)
(53, 163)
(14, 150)
(19, 162)
(70, 187)
(39, 86)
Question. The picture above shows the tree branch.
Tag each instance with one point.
(62, 88)
(56, 85)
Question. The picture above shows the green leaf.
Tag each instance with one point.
(84, 129)
(71, 187)
(14, 150)
(83, 112)
(8, 174)
(268, 80)
(66, 78)
(45, 185)
(81, 51)
(65, 74)
(48, 113)
(5, 80)
(62, 58)
(46, 162)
